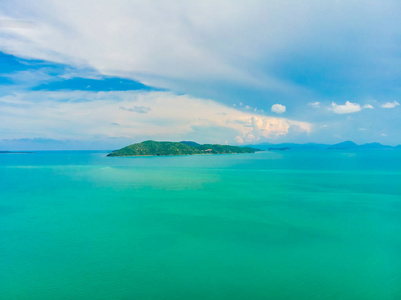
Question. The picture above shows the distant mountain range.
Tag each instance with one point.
(315, 146)
(352, 145)
(14, 152)
(153, 148)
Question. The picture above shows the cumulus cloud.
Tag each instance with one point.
(278, 108)
(262, 126)
(390, 104)
(170, 116)
(347, 108)
(239, 140)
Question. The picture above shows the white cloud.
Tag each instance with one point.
(161, 44)
(82, 115)
(278, 108)
(137, 109)
(314, 104)
(346, 108)
(368, 106)
(390, 104)
(190, 46)
(239, 140)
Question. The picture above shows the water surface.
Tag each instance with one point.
(270, 225)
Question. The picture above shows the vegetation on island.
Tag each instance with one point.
(153, 148)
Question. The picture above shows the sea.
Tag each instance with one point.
(319, 224)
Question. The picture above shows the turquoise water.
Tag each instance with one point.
(270, 225)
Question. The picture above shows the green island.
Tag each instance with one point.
(153, 148)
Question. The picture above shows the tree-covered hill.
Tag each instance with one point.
(153, 148)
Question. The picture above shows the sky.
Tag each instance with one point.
(95, 74)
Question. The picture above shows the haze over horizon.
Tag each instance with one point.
(113, 73)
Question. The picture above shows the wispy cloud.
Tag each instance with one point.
(368, 106)
(189, 47)
(15, 23)
(137, 109)
(390, 104)
(314, 104)
(27, 79)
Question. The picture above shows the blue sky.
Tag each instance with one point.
(101, 74)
